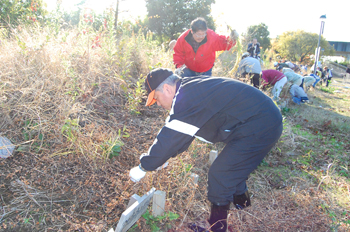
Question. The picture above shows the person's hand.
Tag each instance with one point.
(136, 174)
(179, 71)
(234, 34)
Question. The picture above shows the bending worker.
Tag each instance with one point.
(274, 78)
(215, 110)
(251, 68)
(292, 77)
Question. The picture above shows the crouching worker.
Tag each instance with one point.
(213, 109)
(298, 94)
(317, 79)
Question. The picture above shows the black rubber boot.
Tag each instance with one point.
(241, 201)
(218, 218)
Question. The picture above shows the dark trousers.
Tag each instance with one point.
(254, 79)
(302, 84)
(328, 80)
(190, 73)
(228, 174)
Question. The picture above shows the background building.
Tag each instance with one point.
(341, 49)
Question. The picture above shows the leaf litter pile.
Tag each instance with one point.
(46, 191)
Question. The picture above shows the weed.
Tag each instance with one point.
(124, 132)
(69, 129)
(31, 132)
(27, 133)
(26, 220)
(264, 163)
(135, 98)
(153, 221)
(336, 223)
(74, 89)
(289, 111)
(112, 148)
(344, 173)
(186, 167)
(22, 45)
(329, 89)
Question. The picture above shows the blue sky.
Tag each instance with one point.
(279, 16)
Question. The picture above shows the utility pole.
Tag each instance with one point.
(322, 18)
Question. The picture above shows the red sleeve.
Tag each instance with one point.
(179, 55)
(179, 50)
(221, 42)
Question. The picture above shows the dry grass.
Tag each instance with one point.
(65, 105)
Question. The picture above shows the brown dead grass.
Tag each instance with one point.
(62, 184)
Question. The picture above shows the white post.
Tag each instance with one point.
(134, 212)
(158, 203)
(133, 199)
(194, 178)
(212, 156)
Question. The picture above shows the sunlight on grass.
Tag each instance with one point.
(72, 100)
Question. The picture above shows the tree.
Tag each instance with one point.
(261, 33)
(298, 45)
(169, 18)
(69, 18)
(15, 12)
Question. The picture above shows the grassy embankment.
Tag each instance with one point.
(76, 116)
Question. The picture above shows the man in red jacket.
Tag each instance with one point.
(194, 52)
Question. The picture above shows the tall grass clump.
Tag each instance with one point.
(55, 86)
(72, 101)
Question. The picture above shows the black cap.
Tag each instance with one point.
(153, 80)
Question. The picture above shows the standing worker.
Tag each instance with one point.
(328, 75)
(213, 109)
(254, 49)
(194, 51)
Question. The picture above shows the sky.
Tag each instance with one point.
(279, 16)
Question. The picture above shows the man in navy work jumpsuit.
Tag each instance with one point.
(217, 110)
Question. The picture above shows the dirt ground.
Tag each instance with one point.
(46, 192)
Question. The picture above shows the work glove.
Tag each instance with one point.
(234, 34)
(179, 71)
(136, 174)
